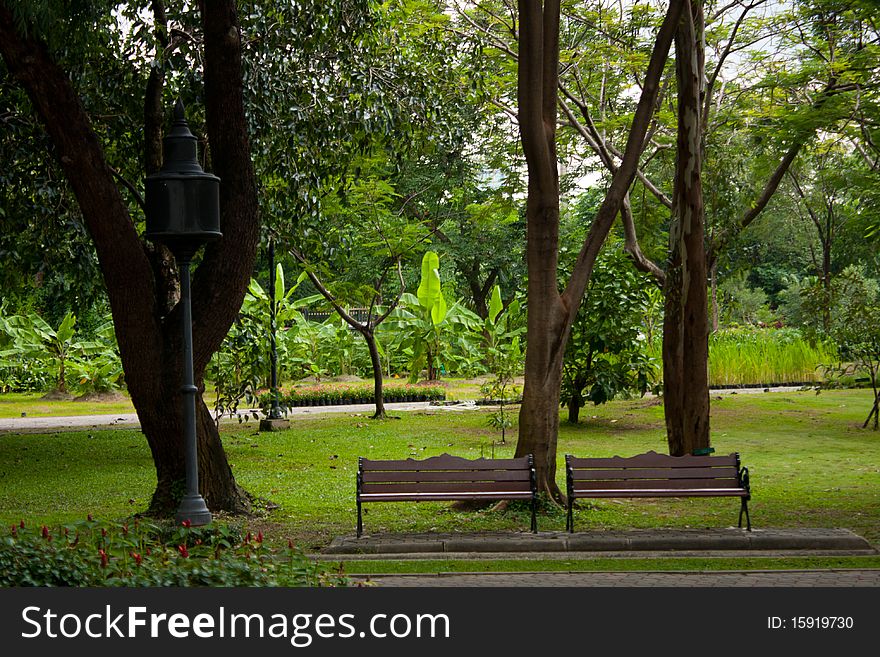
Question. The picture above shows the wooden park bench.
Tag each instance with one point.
(657, 475)
(446, 477)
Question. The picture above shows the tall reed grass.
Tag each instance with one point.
(750, 356)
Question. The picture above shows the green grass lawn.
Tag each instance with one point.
(811, 465)
(13, 404)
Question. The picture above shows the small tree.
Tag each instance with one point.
(606, 354)
(505, 357)
(855, 325)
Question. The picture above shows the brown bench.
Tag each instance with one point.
(446, 477)
(657, 475)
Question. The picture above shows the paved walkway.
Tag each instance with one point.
(130, 420)
(752, 578)
(732, 539)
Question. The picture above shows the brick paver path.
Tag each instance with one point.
(787, 578)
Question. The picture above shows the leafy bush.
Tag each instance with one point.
(92, 554)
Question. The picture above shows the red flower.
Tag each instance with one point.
(259, 537)
(104, 558)
(187, 523)
(45, 532)
(247, 539)
(149, 552)
(183, 551)
(14, 530)
(89, 517)
(103, 533)
(137, 558)
(21, 524)
(290, 543)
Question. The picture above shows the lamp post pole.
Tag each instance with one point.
(183, 212)
(192, 507)
(275, 411)
(274, 421)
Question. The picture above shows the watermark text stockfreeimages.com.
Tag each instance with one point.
(301, 629)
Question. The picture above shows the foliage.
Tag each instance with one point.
(241, 366)
(741, 304)
(32, 354)
(430, 333)
(856, 329)
(92, 553)
(502, 329)
(607, 354)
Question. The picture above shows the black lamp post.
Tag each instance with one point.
(183, 212)
(274, 421)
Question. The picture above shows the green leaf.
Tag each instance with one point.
(438, 310)
(65, 331)
(429, 287)
(279, 283)
(495, 304)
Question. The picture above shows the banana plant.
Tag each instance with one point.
(423, 324)
(33, 337)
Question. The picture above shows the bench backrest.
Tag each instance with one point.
(445, 474)
(652, 469)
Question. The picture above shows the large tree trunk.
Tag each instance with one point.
(685, 326)
(148, 334)
(550, 313)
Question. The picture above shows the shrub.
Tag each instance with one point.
(92, 554)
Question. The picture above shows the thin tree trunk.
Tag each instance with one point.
(376, 362)
(685, 332)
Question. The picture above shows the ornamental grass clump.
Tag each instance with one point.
(92, 553)
(765, 356)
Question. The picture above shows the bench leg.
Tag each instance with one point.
(569, 518)
(744, 508)
(360, 525)
(534, 515)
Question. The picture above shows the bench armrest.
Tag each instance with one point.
(744, 479)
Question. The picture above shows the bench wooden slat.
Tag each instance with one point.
(446, 462)
(705, 492)
(654, 473)
(657, 484)
(447, 486)
(446, 475)
(440, 497)
(652, 459)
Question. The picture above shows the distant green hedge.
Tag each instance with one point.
(319, 395)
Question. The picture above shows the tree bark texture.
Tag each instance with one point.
(147, 330)
(685, 326)
(550, 313)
